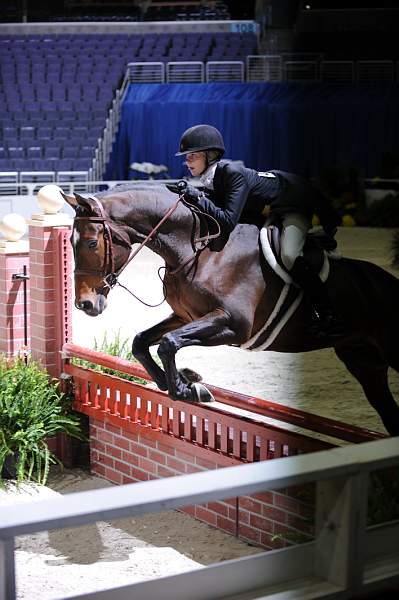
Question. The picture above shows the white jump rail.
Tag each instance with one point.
(345, 559)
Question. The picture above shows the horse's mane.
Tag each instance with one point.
(142, 189)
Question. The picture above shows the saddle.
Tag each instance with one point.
(319, 248)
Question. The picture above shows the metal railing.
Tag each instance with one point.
(229, 71)
(146, 72)
(185, 72)
(337, 71)
(288, 67)
(266, 67)
(301, 70)
(346, 558)
(370, 71)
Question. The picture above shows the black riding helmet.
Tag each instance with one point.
(199, 138)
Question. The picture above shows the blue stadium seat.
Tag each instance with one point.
(34, 152)
(27, 133)
(52, 151)
(16, 152)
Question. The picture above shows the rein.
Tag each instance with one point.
(110, 276)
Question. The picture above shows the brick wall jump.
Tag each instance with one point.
(273, 519)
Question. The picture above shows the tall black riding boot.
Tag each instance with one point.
(324, 321)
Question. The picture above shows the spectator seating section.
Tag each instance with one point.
(55, 90)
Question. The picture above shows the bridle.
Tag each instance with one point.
(110, 275)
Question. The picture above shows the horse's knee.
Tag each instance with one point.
(167, 346)
(139, 345)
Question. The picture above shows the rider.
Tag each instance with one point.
(233, 193)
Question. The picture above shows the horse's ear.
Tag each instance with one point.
(71, 200)
(88, 204)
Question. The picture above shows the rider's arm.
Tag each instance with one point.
(235, 193)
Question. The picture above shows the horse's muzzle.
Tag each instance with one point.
(92, 309)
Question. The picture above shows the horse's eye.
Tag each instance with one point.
(92, 244)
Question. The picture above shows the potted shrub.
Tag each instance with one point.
(32, 410)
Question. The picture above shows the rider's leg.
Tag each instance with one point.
(295, 229)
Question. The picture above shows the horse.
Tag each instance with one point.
(226, 297)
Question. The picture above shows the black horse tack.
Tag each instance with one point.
(226, 297)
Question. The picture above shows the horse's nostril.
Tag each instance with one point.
(84, 305)
(87, 305)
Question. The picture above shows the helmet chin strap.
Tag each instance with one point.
(209, 160)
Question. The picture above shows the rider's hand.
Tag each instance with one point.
(191, 193)
(177, 188)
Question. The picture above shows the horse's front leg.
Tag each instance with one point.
(213, 329)
(142, 342)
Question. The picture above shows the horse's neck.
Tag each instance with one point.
(172, 241)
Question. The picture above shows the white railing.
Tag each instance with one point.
(370, 71)
(337, 71)
(266, 67)
(185, 72)
(146, 72)
(26, 182)
(291, 67)
(232, 71)
(301, 70)
(104, 146)
(345, 559)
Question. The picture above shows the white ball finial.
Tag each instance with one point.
(13, 226)
(50, 199)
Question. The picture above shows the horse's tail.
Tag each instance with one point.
(395, 250)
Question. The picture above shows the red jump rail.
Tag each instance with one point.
(132, 405)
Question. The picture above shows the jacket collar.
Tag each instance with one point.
(207, 177)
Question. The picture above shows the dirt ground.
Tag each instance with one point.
(61, 563)
(57, 564)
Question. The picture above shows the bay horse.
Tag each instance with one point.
(226, 297)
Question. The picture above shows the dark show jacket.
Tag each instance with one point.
(241, 195)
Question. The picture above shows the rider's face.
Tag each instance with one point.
(196, 163)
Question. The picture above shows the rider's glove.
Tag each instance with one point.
(191, 193)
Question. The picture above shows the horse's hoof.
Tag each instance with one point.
(200, 393)
(189, 376)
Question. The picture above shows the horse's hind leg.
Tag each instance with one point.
(370, 369)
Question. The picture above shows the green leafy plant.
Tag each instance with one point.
(32, 409)
(117, 347)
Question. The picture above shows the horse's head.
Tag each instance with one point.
(100, 247)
